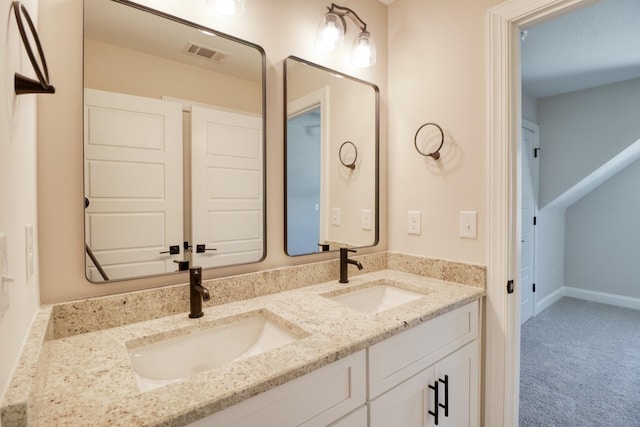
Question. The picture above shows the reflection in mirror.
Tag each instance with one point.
(173, 144)
(331, 159)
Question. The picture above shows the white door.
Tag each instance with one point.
(528, 185)
(226, 187)
(133, 181)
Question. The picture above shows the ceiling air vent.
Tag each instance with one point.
(205, 52)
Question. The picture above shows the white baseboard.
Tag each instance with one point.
(549, 300)
(602, 297)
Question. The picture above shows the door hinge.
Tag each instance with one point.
(535, 152)
(535, 220)
(534, 287)
(510, 287)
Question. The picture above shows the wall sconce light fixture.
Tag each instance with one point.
(331, 30)
(227, 7)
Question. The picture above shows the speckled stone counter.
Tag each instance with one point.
(87, 379)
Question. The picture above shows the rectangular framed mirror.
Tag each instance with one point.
(174, 140)
(331, 159)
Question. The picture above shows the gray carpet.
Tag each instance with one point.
(580, 366)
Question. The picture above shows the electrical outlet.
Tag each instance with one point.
(335, 216)
(29, 249)
(469, 224)
(366, 219)
(414, 222)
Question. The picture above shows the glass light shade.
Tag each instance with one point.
(364, 50)
(330, 33)
(227, 7)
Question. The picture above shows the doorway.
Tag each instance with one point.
(504, 126)
(307, 189)
(304, 192)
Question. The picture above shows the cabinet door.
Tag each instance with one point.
(406, 405)
(461, 371)
(410, 403)
(398, 358)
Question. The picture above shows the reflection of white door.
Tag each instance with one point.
(133, 180)
(528, 184)
(226, 187)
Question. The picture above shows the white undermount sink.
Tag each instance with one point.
(176, 358)
(376, 298)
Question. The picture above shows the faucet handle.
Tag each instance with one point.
(348, 250)
(183, 265)
(195, 275)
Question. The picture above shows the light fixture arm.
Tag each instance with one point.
(342, 11)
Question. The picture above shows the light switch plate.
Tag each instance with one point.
(366, 219)
(335, 216)
(469, 224)
(414, 222)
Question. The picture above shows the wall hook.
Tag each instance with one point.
(23, 84)
(435, 155)
(351, 165)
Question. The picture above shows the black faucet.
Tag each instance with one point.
(344, 262)
(197, 293)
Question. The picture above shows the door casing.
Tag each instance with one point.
(502, 362)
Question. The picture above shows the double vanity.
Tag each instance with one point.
(175, 175)
(369, 351)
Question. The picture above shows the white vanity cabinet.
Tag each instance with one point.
(413, 404)
(406, 370)
(333, 395)
(397, 371)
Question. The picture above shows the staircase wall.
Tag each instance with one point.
(580, 131)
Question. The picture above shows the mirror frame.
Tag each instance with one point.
(376, 90)
(263, 104)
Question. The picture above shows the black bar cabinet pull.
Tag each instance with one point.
(435, 387)
(446, 395)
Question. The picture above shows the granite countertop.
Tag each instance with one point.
(88, 379)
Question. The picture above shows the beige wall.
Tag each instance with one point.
(351, 118)
(281, 27)
(18, 204)
(115, 69)
(437, 73)
(352, 190)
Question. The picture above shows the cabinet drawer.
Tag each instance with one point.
(405, 354)
(315, 399)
